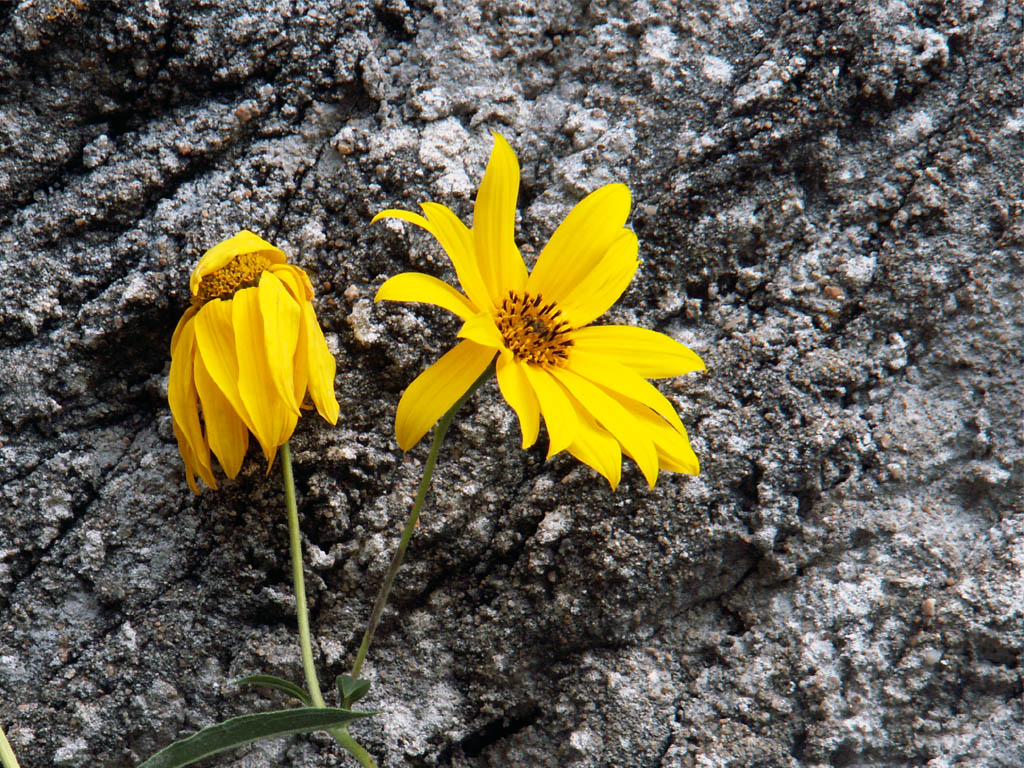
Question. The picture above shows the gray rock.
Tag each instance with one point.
(830, 208)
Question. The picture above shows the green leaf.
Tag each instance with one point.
(278, 683)
(242, 730)
(351, 689)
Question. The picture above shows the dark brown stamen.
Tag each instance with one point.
(534, 333)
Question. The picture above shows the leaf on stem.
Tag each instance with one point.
(279, 684)
(239, 731)
(351, 689)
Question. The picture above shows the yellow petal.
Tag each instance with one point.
(191, 465)
(481, 329)
(294, 279)
(281, 317)
(605, 371)
(580, 242)
(415, 286)
(222, 254)
(602, 287)
(189, 314)
(596, 448)
(183, 400)
(272, 417)
(651, 354)
(518, 393)
(215, 339)
(227, 433)
(494, 222)
(686, 463)
(456, 240)
(610, 413)
(559, 413)
(322, 367)
(398, 213)
(437, 389)
(300, 363)
(673, 445)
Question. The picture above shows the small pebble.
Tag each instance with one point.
(928, 607)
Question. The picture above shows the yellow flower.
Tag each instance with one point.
(248, 349)
(589, 382)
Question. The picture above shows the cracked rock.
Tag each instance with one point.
(828, 204)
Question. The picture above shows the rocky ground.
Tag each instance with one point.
(830, 206)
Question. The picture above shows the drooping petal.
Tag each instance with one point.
(180, 382)
(651, 354)
(602, 287)
(272, 417)
(456, 240)
(281, 316)
(559, 413)
(227, 433)
(580, 242)
(614, 417)
(518, 393)
(416, 286)
(481, 329)
(294, 279)
(322, 367)
(605, 371)
(314, 365)
(183, 400)
(300, 363)
(215, 340)
(189, 314)
(494, 221)
(595, 447)
(187, 456)
(673, 445)
(437, 389)
(222, 254)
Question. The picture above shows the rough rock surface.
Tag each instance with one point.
(830, 205)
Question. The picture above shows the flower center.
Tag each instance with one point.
(241, 272)
(535, 332)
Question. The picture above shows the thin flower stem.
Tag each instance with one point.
(7, 758)
(410, 524)
(295, 543)
(341, 735)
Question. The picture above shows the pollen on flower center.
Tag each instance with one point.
(534, 331)
(241, 272)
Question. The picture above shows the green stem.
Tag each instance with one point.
(7, 758)
(410, 524)
(341, 735)
(295, 543)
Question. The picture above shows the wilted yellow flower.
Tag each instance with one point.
(589, 382)
(248, 349)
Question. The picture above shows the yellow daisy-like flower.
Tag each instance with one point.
(248, 350)
(589, 382)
